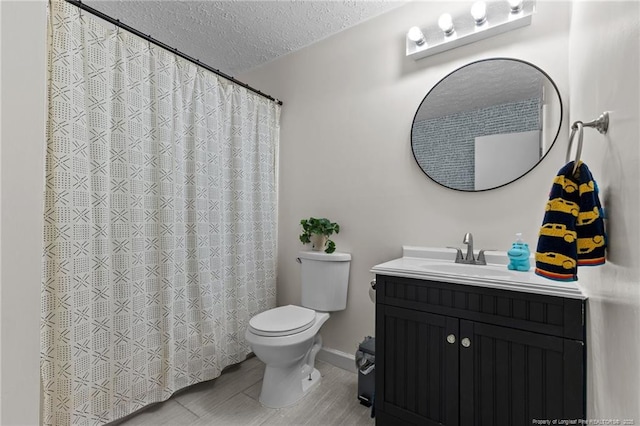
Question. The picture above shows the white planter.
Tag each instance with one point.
(318, 242)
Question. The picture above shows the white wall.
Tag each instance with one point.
(522, 149)
(349, 102)
(23, 79)
(604, 74)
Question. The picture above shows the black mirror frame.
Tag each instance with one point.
(464, 66)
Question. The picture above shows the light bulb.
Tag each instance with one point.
(416, 36)
(516, 5)
(479, 12)
(445, 22)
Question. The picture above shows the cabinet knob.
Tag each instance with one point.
(466, 342)
(451, 338)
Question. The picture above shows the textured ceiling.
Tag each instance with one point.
(481, 85)
(235, 36)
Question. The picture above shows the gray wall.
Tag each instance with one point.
(445, 146)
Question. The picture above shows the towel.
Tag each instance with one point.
(572, 232)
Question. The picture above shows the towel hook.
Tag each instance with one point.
(601, 124)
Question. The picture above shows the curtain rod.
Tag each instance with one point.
(116, 22)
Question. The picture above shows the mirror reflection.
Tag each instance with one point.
(486, 124)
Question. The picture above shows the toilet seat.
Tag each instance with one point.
(282, 321)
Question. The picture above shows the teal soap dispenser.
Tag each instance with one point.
(519, 255)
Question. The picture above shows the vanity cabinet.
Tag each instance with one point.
(453, 354)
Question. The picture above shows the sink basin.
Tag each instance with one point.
(487, 271)
(437, 264)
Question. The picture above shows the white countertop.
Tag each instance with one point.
(438, 264)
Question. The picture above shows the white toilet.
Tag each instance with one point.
(286, 338)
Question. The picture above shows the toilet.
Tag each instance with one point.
(287, 338)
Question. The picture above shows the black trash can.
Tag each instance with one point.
(366, 363)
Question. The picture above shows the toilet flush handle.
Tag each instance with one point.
(298, 260)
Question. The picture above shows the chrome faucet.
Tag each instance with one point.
(469, 258)
(468, 240)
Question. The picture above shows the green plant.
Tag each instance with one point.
(319, 227)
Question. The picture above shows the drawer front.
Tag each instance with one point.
(550, 315)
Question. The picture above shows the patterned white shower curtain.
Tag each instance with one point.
(160, 221)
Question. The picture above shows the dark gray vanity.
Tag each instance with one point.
(470, 350)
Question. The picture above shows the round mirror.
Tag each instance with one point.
(486, 124)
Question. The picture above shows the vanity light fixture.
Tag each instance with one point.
(416, 36)
(516, 5)
(479, 12)
(486, 19)
(445, 22)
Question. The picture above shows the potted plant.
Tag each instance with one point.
(317, 232)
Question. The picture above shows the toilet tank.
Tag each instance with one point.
(324, 280)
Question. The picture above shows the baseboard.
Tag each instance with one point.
(338, 359)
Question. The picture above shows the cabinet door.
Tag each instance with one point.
(511, 377)
(416, 366)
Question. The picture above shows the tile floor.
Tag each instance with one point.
(232, 399)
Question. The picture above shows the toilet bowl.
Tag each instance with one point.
(286, 339)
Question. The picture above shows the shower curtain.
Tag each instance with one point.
(160, 221)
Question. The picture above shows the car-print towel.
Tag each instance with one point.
(572, 232)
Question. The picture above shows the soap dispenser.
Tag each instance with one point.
(519, 255)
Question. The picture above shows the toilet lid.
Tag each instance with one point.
(282, 321)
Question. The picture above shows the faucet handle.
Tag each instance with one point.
(481, 259)
(459, 257)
